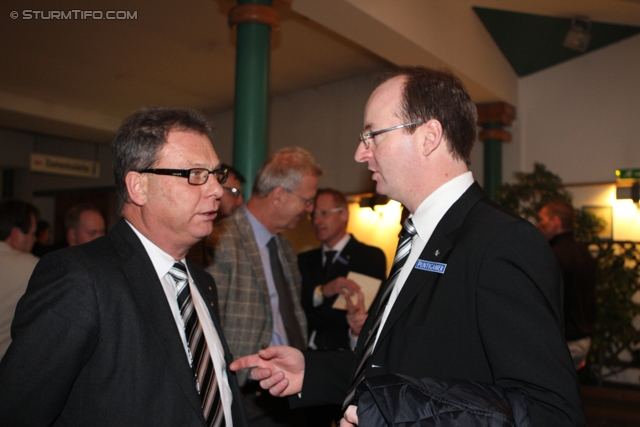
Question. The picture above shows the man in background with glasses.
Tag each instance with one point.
(324, 277)
(231, 200)
(256, 271)
(121, 331)
(232, 197)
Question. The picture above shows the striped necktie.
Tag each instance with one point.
(200, 358)
(402, 253)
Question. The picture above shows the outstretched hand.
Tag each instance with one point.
(280, 369)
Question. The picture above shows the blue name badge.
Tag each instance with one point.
(435, 267)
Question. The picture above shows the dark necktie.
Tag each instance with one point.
(201, 363)
(402, 253)
(287, 310)
(328, 263)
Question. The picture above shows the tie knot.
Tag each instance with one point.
(178, 272)
(178, 265)
(328, 257)
(408, 229)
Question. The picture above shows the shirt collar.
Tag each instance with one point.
(433, 208)
(260, 232)
(338, 247)
(162, 261)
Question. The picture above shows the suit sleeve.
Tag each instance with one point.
(326, 378)
(519, 290)
(54, 332)
(309, 283)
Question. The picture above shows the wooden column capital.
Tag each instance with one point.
(496, 112)
(254, 13)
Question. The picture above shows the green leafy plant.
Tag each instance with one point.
(615, 341)
(531, 192)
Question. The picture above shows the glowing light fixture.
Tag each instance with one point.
(628, 176)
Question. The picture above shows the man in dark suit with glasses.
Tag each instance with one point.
(324, 277)
(474, 294)
(121, 330)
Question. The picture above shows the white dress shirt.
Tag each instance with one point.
(425, 219)
(162, 262)
(15, 270)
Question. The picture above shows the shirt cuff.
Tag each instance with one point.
(318, 297)
(353, 339)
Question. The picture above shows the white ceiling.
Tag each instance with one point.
(78, 78)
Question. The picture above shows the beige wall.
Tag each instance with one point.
(579, 118)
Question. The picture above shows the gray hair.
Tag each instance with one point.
(285, 169)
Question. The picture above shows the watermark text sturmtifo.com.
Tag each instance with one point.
(74, 14)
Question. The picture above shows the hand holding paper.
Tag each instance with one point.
(368, 286)
(338, 286)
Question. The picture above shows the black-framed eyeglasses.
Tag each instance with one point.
(195, 176)
(323, 214)
(235, 192)
(307, 202)
(367, 138)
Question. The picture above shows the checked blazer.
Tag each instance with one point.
(243, 296)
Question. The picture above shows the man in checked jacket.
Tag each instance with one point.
(257, 274)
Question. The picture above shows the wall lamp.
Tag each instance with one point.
(628, 192)
(632, 192)
(579, 35)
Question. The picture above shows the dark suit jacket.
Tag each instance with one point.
(95, 343)
(330, 324)
(494, 316)
(579, 278)
(438, 403)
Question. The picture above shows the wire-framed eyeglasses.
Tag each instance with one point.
(195, 176)
(307, 202)
(323, 214)
(367, 138)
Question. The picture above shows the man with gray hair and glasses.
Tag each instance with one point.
(256, 270)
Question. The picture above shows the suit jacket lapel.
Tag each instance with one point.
(152, 300)
(210, 296)
(341, 266)
(251, 249)
(439, 243)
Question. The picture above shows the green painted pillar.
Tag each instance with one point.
(254, 20)
(493, 117)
